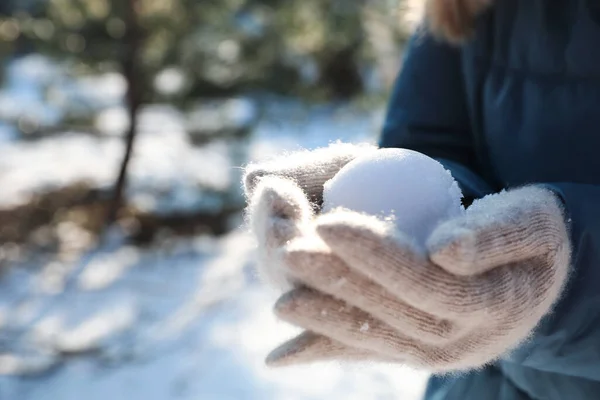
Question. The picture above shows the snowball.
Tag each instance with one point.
(414, 190)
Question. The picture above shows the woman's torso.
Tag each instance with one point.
(533, 81)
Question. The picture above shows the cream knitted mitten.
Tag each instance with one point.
(298, 192)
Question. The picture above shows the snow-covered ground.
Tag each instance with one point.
(189, 322)
(186, 320)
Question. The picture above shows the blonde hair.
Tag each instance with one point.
(453, 20)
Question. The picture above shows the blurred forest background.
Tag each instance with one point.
(124, 125)
(218, 65)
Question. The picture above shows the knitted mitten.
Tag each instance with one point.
(295, 190)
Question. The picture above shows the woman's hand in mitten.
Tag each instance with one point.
(363, 291)
(293, 191)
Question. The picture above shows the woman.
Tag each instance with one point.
(506, 303)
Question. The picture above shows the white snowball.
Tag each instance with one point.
(414, 190)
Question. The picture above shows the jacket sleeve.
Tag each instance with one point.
(428, 111)
(567, 341)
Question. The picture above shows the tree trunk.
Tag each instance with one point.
(132, 73)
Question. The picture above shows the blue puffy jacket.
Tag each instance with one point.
(519, 104)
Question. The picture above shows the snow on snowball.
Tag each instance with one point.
(412, 189)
